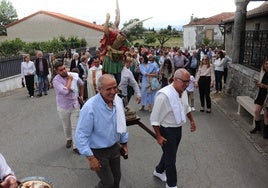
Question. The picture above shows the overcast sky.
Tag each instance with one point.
(164, 12)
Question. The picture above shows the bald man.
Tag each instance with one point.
(167, 117)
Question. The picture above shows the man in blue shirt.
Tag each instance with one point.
(101, 127)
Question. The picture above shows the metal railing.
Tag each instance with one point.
(254, 48)
(10, 66)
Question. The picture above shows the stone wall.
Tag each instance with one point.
(241, 80)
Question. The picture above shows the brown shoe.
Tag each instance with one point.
(69, 143)
(75, 150)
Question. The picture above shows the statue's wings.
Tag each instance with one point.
(128, 27)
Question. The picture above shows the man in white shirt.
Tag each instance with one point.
(7, 176)
(167, 118)
(127, 79)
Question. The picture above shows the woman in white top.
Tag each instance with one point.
(67, 60)
(219, 69)
(94, 73)
(28, 72)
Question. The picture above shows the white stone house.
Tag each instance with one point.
(43, 26)
(197, 30)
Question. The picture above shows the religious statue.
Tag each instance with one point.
(114, 44)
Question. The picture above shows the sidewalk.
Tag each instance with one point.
(228, 105)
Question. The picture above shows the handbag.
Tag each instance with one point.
(154, 84)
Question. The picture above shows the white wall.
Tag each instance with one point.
(189, 37)
(10, 83)
(42, 27)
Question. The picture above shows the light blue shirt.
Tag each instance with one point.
(97, 126)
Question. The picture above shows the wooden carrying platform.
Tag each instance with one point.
(136, 121)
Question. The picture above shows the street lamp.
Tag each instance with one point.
(222, 28)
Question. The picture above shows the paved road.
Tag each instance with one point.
(217, 155)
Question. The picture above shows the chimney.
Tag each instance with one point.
(192, 18)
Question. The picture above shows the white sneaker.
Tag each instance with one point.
(193, 109)
(170, 187)
(162, 176)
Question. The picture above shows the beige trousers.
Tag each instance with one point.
(69, 120)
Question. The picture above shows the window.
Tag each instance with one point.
(209, 34)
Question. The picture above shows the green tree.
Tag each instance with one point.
(56, 45)
(163, 36)
(169, 28)
(12, 47)
(8, 13)
(149, 39)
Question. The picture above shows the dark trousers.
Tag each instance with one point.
(193, 71)
(218, 80)
(164, 82)
(168, 160)
(117, 77)
(110, 173)
(225, 73)
(85, 90)
(204, 90)
(29, 80)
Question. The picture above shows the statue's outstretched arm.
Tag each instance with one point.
(117, 17)
(106, 25)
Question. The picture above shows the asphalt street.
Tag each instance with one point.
(217, 155)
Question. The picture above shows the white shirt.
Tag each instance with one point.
(4, 168)
(162, 113)
(92, 82)
(219, 64)
(27, 68)
(190, 87)
(127, 78)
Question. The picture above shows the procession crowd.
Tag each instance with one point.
(145, 73)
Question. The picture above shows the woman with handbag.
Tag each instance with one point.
(148, 71)
(166, 73)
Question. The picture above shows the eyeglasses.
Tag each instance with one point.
(184, 81)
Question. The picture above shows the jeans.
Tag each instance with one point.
(69, 120)
(42, 83)
(168, 159)
(218, 80)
